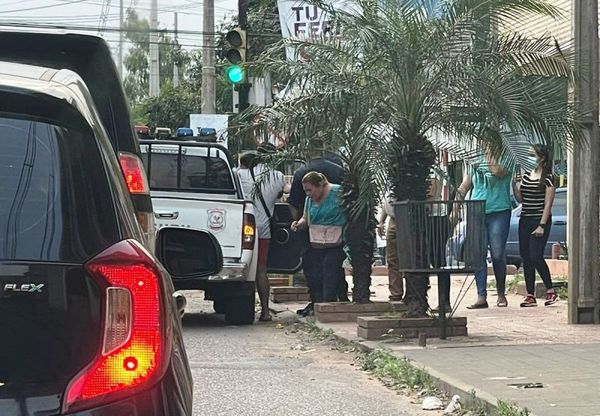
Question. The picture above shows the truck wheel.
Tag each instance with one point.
(240, 310)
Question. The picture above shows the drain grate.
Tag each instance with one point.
(522, 386)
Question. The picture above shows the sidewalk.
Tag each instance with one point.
(505, 346)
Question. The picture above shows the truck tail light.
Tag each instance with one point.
(130, 356)
(134, 173)
(248, 232)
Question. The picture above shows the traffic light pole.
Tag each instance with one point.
(244, 87)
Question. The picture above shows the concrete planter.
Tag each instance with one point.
(380, 327)
(349, 312)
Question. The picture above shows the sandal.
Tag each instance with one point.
(502, 302)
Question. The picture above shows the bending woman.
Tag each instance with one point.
(325, 220)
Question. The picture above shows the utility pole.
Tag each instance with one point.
(208, 58)
(121, 37)
(154, 58)
(244, 87)
(583, 202)
(176, 63)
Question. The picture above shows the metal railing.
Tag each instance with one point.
(440, 236)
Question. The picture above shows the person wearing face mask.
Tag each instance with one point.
(325, 220)
(536, 193)
(490, 181)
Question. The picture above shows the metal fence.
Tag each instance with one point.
(440, 236)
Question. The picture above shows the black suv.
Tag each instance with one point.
(89, 322)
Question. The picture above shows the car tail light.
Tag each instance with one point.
(134, 173)
(130, 354)
(248, 232)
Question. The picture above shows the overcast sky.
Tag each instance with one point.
(87, 13)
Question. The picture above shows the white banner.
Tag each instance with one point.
(302, 21)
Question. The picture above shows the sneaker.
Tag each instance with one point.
(551, 298)
(528, 302)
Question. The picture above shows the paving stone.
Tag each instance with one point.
(430, 332)
(350, 307)
(289, 290)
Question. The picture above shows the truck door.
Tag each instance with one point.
(287, 246)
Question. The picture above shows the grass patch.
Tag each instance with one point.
(509, 409)
(399, 373)
(396, 372)
(511, 285)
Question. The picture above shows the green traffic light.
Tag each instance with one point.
(235, 74)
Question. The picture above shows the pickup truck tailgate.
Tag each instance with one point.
(223, 218)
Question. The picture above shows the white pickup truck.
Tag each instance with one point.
(193, 186)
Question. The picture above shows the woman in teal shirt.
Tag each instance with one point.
(325, 220)
(491, 182)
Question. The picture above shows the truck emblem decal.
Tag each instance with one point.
(216, 219)
(23, 288)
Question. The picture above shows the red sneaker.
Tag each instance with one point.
(529, 302)
(551, 298)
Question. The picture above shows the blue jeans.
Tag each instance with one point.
(497, 225)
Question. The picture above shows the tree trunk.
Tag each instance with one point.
(410, 169)
(360, 240)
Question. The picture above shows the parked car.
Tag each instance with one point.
(558, 233)
(90, 322)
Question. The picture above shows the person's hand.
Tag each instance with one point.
(381, 230)
(538, 232)
(294, 226)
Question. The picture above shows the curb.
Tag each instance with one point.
(449, 385)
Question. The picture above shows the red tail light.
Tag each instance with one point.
(130, 355)
(248, 232)
(134, 173)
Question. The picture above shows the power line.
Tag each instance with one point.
(34, 25)
(42, 7)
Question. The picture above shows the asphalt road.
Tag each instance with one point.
(265, 370)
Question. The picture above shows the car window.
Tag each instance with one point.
(169, 169)
(560, 204)
(55, 202)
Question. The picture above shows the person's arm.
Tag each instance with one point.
(464, 188)
(516, 185)
(301, 224)
(461, 194)
(381, 225)
(548, 201)
(296, 196)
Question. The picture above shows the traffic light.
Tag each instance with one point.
(236, 55)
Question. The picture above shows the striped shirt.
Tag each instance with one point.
(533, 196)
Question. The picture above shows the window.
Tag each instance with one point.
(196, 169)
(54, 193)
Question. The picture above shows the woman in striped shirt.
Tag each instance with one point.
(536, 192)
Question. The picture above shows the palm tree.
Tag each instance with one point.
(400, 75)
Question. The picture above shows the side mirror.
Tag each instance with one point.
(188, 253)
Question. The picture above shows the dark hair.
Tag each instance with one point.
(248, 159)
(545, 163)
